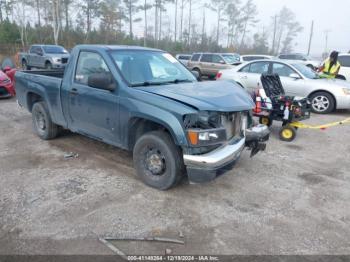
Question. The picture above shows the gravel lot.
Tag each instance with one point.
(291, 199)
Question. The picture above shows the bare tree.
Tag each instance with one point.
(249, 12)
(218, 6)
(56, 25)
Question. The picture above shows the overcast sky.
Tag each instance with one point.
(328, 15)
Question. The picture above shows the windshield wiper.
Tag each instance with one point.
(148, 83)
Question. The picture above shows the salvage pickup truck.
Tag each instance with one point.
(145, 101)
(44, 56)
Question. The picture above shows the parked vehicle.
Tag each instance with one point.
(303, 59)
(344, 60)
(208, 64)
(231, 58)
(144, 100)
(183, 58)
(6, 85)
(44, 56)
(248, 58)
(297, 79)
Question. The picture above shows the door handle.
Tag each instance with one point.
(74, 91)
(244, 77)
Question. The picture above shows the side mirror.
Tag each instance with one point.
(196, 75)
(102, 81)
(294, 76)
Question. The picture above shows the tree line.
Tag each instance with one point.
(173, 25)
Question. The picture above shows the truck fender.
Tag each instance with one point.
(163, 119)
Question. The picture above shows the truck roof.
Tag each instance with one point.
(118, 47)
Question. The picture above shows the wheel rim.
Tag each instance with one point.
(40, 121)
(154, 162)
(265, 121)
(320, 103)
(24, 65)
(287, 133)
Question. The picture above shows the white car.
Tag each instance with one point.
(183, 58)
(344, 60)
(302, 59)
(248, 58)
(297, 79)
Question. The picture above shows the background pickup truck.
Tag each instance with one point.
(145, 101)
(44, 56)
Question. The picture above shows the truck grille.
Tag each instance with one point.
(64, 60)
(232, 122)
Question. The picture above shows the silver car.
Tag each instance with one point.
(297, 79)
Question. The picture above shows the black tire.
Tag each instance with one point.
(48, 66)
(25, 65)
(288, 133)
(264, 120)
(168, 167)
(322, 103)
(199, 73)
(42, 123)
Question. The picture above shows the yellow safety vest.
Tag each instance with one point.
(328, 70)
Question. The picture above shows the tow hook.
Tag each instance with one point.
(256, 138)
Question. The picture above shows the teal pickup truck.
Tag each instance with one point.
(145, 101)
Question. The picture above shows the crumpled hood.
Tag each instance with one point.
(220, 96)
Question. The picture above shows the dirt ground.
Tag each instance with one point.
(291, 199)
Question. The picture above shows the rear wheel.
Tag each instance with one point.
(322, 103)
(42, 123)
(157, 160)
(288, 133)
(25, 65)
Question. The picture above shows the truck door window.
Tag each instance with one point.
(89, 63)
(32, 50)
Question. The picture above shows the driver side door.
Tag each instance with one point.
(93, 111)
(250, 75)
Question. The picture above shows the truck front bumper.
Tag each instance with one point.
(206, 167)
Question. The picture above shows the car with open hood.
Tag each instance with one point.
(145, 101)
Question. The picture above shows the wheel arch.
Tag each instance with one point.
(324, 91)
(32, 98)
(140, 125)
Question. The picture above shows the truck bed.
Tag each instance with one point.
(52, 73)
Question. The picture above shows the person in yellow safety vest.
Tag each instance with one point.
(331, 66)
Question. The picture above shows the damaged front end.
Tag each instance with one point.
(217, 140)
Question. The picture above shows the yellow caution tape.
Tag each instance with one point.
(301, 125)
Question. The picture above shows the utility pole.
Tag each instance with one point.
(274, 35)
(311, 35)
(326, 46)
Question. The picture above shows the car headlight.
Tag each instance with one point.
(57, 60)
(198, 137)
(346, 91)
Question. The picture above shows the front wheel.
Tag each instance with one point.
(42, 123)
(157, 160)
(199, 73)
(25, 65)
(322, 103)
(48, 66)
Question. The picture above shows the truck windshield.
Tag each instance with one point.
(55, 50)
(144, 68)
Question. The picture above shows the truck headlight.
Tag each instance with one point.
(346, 91)
(199, 137)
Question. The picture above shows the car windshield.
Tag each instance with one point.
(55, 50)
(230, 59)
(306, 71)
(144, 68)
